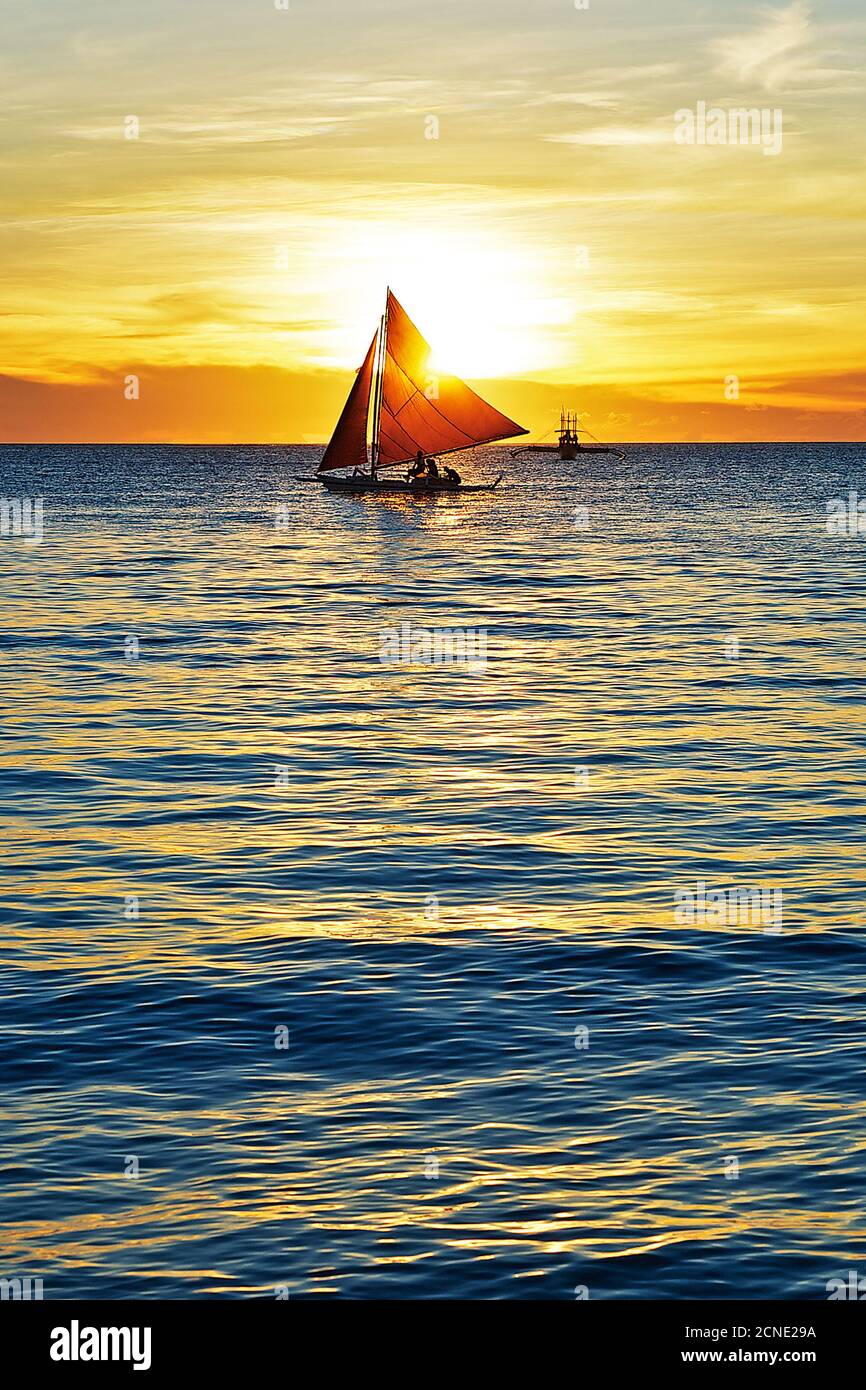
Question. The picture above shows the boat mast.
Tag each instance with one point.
(377, 376)
(377, 399)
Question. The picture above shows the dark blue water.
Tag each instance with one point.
(225, 817)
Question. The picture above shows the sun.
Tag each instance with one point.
(480, 303)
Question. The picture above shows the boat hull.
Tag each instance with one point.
(568, 452)
(382, 486)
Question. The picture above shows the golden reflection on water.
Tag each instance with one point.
(350, 1195)
(423, 1028)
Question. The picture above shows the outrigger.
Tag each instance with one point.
(568, 443)
(413, 414)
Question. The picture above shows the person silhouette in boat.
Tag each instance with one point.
(451, 476)
(418, 468)
(432, 470)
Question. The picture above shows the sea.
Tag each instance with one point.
(433, 897)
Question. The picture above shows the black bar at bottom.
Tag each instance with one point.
(229, 1337)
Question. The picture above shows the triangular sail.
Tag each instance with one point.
(423, 410)
(348, 443)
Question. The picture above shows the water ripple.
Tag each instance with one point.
(513, 1066)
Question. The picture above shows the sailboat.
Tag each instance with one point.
(407, 408)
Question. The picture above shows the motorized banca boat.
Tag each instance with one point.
(407, 408)
(569, 444)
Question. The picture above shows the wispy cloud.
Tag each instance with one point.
(656, 133)
(603, 100)
(206, 133)
(778, 51)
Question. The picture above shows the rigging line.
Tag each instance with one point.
(416, 391)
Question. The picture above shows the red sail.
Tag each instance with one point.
(423, 410)
(348, 444)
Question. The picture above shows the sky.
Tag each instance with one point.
(510, 169)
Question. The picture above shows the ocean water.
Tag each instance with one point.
(371, 978)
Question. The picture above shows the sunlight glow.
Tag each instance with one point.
(481, 303)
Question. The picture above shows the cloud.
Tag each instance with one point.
(218, 404)
(603, 100)
(655, 134)
(774, 54)
(205, 133)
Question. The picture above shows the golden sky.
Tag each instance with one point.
(554, 241)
